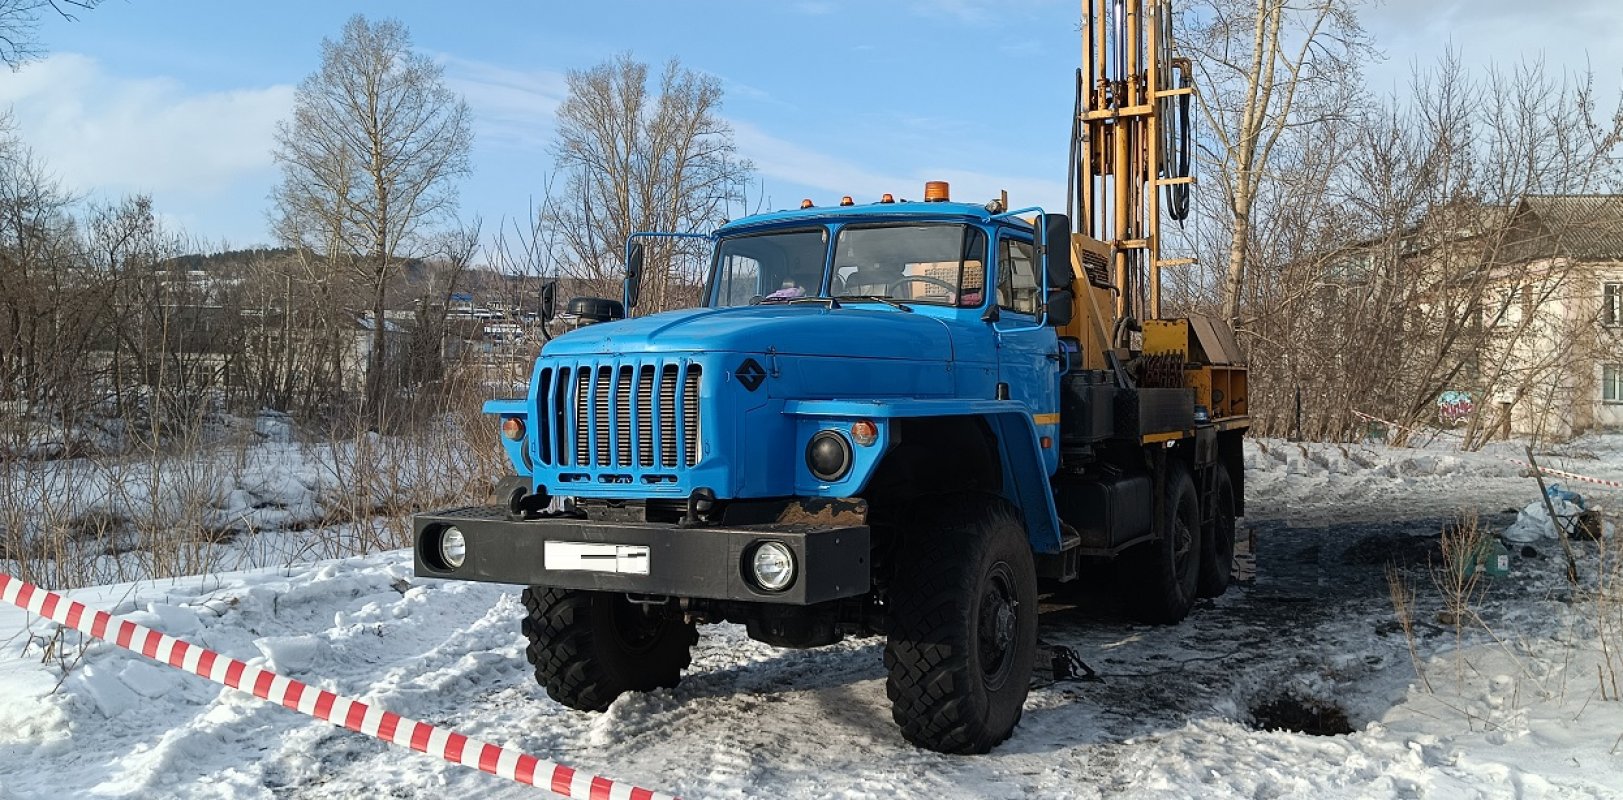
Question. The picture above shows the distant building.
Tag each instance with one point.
(1557, 309)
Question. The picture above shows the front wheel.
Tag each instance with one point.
(589, 648)
(962, 628)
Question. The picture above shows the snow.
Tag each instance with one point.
(1516, 704)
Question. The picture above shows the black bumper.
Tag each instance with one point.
(708, 562)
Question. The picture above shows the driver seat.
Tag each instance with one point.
(873, 280)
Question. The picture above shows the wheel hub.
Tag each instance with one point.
(998, 627)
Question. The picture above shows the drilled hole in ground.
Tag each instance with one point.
(1312, 716)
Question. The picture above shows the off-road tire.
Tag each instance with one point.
(590, 647)
(962, 627)
(1161, 576)
(1217, 537)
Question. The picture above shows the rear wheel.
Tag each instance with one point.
(590, 647)
(963, 628)
(1162, 575)
(1217, 549)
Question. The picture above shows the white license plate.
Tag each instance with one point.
(626, 559)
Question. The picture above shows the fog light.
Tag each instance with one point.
(453, 548)
(828, 455)
(773, 566)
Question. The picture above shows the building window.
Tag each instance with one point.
(1611, 383)
(1509, 310)
(1611, 304)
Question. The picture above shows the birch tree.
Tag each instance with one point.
(1266, 69)
(370, 161)
(635, 158)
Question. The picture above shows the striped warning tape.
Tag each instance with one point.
(1547, 470)
(336, 709)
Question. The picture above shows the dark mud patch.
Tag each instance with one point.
(1312, 716)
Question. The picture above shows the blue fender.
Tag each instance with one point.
(1025, 475)
(502, 409)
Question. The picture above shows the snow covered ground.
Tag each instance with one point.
(1518, 705)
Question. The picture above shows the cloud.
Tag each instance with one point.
(100, 131)
(1571, 35)
(516, 108)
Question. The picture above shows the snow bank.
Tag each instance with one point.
(1174, 718)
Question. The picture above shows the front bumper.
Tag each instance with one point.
(831, 562)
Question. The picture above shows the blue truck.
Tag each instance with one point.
(898, 419)
(882, 421)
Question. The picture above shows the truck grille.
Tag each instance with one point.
(620, 415)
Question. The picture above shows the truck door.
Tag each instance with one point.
(1028, 354)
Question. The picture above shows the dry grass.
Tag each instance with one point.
(163, 511)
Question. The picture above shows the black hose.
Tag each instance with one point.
(1073, 187)
(1178, 193)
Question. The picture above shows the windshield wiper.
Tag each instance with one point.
(877, 298)
(828, 301)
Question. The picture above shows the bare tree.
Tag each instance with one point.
(19, 26)
(369, 162)
(638, 158)
(1267, 69)
(1394, 271)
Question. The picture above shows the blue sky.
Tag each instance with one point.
(826, 97)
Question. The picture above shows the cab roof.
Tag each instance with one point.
(877, 212)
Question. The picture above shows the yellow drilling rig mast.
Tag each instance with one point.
(1130, 169)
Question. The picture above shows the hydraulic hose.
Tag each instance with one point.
(1178, 193)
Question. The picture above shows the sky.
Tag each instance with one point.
(179, 99)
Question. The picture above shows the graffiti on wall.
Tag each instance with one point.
(1454, 408)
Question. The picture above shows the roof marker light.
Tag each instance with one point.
(847, 201)
(807, 203)
(886, 198)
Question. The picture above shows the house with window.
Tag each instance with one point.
(1556, 315)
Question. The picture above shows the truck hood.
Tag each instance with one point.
(851, 331)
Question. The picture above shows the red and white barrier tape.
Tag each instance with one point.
(1569, 475)
(323, 705)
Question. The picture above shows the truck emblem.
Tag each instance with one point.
(750, 374)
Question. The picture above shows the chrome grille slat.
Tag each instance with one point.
(623, 420)
(601, 421)
(645, 413)
(581, 423)
(667, 416)
(690, 415)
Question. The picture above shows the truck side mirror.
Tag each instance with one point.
(1054, 242)
(1056, 247)
(549, 301)
(634, 258)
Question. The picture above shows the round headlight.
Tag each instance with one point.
(453, 548)
(773, 566)
(828, 455)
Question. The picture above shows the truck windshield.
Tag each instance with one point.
(933, 263)
(769, 266)
(938, 264)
